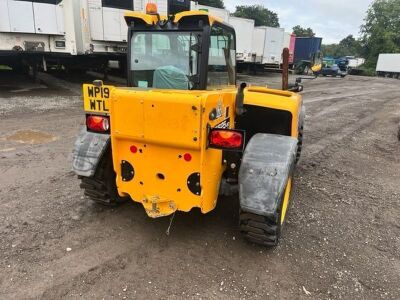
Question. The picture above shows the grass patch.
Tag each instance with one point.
(3, 67)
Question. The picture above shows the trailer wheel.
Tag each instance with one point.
(102, 188)
(263, 230)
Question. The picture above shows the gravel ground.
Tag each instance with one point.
(341, 240)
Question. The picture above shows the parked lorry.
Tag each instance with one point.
(307, 54)
(306, 47)
(388, 65)
(182, 128)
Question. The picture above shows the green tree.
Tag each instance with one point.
(213, 3)
(261, 15)
(381, 31)
(348, 46)
(303, 32)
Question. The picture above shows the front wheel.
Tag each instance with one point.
(102, 188)
(263, 230)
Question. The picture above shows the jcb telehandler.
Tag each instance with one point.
(182, 129)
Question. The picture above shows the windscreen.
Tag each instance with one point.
(164, 60)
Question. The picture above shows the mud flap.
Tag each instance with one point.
(88, 149)
(267, 163)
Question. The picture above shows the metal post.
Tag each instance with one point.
(285, 69)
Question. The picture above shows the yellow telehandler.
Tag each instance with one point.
(183, 129)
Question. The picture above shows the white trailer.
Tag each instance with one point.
(258, 43)
(36, 26)
(74, 32)
(221, 13)
(388, 65)
(268, 44)
(244, 38)
(273, 46)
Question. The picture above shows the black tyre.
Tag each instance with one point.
(101, 188)
(299, 144)
(261, 230)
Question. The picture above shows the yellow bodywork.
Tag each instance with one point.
(164, 125)
(153, 19)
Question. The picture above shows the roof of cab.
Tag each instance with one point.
(151, 19)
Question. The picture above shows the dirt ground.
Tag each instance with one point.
(341, 240)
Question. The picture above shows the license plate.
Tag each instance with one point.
(96, 99)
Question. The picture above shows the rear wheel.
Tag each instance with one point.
(299, 144)
(101, 188)
(263, 230)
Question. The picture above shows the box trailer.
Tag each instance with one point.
(259, 35)
(75, 33)
(273, 46)
(221, 13)
(267, 45)
(388, 65)
(244, 38)
(28, 29)
(306, 47)
(289, 42)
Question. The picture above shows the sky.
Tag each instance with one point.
(331, 20)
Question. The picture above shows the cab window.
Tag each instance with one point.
(163, 60)
(222, 58)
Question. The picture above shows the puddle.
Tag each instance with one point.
(31, 137)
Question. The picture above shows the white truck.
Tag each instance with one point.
(388, 65)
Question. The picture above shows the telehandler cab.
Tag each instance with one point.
(182, 129)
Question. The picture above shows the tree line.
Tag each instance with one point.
(380, 32)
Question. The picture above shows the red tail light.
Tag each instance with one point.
(98, 123)
(226, 139)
